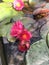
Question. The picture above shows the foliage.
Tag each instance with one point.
(33, 16)
(38, 54)
(8, 0)
(6, 14)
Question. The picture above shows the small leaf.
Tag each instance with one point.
(33, 2)
(11, 39)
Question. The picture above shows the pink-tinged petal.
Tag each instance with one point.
(18, 4)
(24, 47)
(26, 35)
(16, 29)
(28, 45)
(22, 42)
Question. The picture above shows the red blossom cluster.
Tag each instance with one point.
(19, 31)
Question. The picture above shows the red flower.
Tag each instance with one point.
(26, 35)
(18, 4)
(23, 46)
(16, 29)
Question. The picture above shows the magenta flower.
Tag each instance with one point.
(26, 35)
(23, 46)
(18, 4)
(16, 29)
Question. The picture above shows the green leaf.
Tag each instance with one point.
(5, 29)
(8, 0)
(4, 5)
(18, 16)
(9, 12)
(5, 11)
(38, 53)
(28, 23)
(10, 38)
(5, 32)
(33, 2)
(5, 21)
